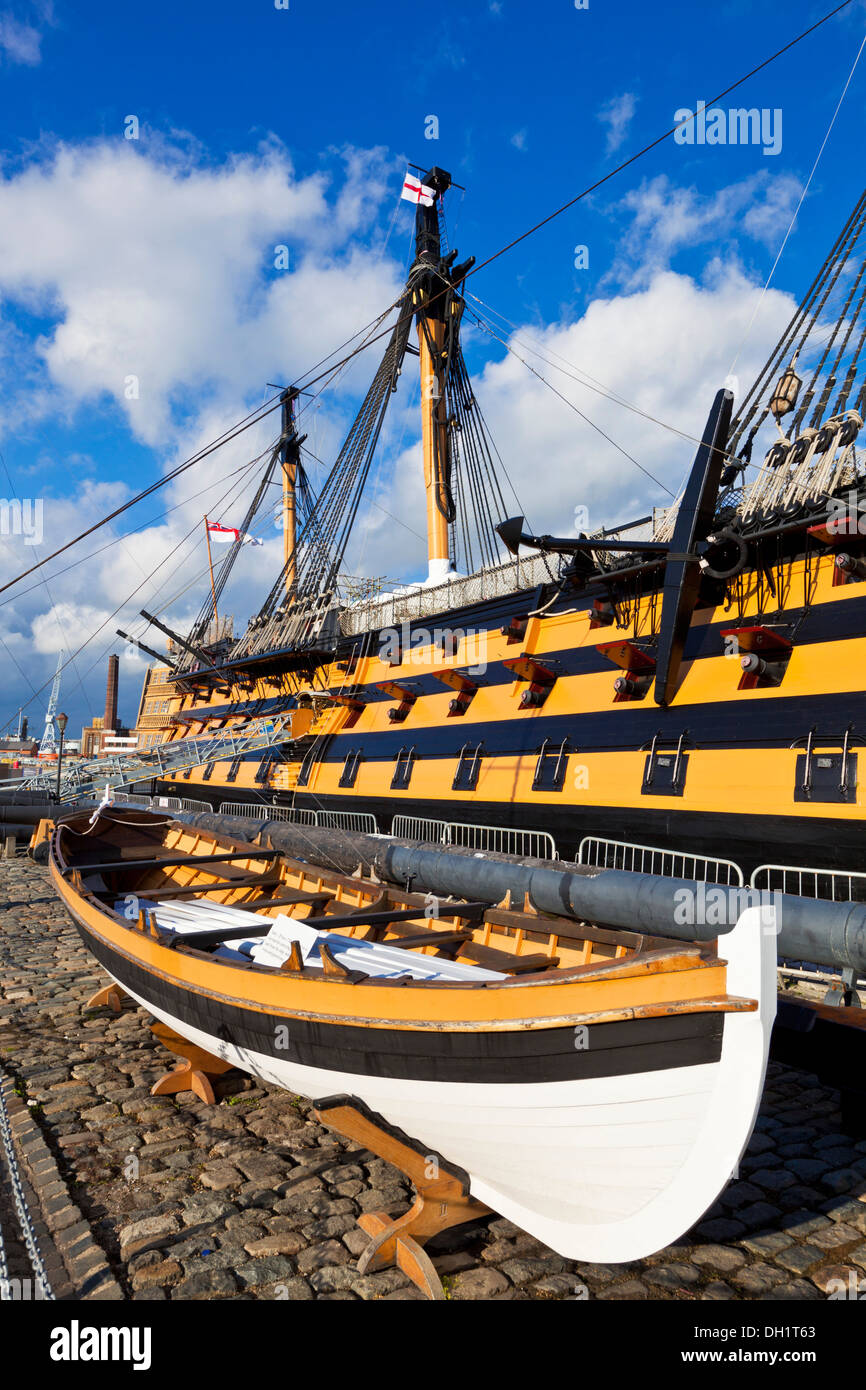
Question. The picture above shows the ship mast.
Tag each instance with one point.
(289, 459)
(431, 304)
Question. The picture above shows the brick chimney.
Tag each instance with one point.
(110, 722)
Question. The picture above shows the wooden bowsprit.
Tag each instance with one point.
(442, 1198)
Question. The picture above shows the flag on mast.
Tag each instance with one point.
(414, 191)
(227, 535)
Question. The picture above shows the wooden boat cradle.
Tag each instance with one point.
(258, 878)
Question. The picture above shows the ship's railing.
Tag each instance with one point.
(837, 885)
(666, 863)
(291, 628)
(419, 828)
(421, 601)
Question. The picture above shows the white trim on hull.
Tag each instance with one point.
(604, 1169)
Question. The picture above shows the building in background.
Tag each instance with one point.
(106, 734)
(91, 738)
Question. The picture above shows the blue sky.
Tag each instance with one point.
(260, 126)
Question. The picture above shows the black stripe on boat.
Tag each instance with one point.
(522, 1056)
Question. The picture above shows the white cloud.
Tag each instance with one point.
(518, 139)
(20, 40)
(19, 43)
(159, 274)
(617, 115)
(667, 218)
(666, 348)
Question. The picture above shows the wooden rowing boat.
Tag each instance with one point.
(594, 1086)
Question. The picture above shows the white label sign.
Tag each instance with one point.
(276, 947)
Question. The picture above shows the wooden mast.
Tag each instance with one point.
(289, 450)
(431, 303)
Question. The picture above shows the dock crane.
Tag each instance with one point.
(48, 746)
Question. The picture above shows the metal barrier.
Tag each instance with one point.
(837, 885)
(533, 844)
(645, 859)
(244, 808)
(363, 822)
(161, 803)
(294, 815)
(536, 844)
(417, 828)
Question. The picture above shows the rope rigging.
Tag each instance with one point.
(815, 317)
(326, 524)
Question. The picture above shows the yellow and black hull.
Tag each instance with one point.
(761, 774)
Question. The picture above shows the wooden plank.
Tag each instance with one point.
(195, 890)
(292, 898)
(494, 959)
(569, 930)
(432, 938)
(363, 918)
(490, 956)
(175, 860)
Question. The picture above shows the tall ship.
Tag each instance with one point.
(690, 681)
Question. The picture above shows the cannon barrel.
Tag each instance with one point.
(828, 933)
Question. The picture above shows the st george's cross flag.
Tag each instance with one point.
(414, 191)
(227, 535)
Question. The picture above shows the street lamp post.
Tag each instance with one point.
(62, 721)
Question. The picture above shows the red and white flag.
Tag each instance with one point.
(414, 191)
(227, 535)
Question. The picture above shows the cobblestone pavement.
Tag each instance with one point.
(251, 1199)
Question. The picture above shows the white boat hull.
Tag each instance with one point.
(605, 1169)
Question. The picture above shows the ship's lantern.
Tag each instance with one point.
(784, 397)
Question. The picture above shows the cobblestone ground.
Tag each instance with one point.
(251, 1199)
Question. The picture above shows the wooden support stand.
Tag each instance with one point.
(195, 1073)
(109, 997)
(442, 1199)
